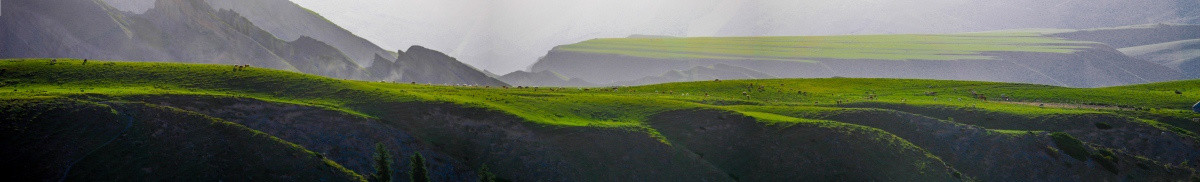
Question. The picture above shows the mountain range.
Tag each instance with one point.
(283, 35)
(225, 32)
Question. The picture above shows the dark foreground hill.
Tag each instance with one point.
(1006, 57)
(149, 121)
(193, 31)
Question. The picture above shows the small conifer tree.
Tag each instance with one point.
(419, 172)
(383, 164)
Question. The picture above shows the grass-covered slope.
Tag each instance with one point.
(1024, 57)
(779, 129)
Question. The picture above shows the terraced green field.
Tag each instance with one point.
(837, 104)
(806, 48)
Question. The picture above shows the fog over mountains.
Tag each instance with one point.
(274, 34)
(506, 35)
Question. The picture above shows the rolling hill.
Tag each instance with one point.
(998, 56)
(730, 130)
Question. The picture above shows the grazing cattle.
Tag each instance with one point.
(1178, 92)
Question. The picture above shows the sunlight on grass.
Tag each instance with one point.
(771, 100)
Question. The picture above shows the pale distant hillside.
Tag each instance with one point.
(998, 56)
(1181, 55)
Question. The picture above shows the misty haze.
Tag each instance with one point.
(618, 90)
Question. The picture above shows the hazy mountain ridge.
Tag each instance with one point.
(1136, 35)
(1181, 55)
(289, 21)
(422, 65)
(518, 35)
(286, 20)
(713, 72)
(542, 78)
(1090, 64)
(1172, 45)
(305, 53)
(192, 31)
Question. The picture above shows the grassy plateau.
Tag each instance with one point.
(806, 48)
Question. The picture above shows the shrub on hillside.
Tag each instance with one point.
(1068, 144)
(1107, 159)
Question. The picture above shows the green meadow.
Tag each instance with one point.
(594, 107)
(919, 123)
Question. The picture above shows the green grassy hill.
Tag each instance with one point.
(778, 129)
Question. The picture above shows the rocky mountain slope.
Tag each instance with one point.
(193, 31)
(423, 65)
(289, 21)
